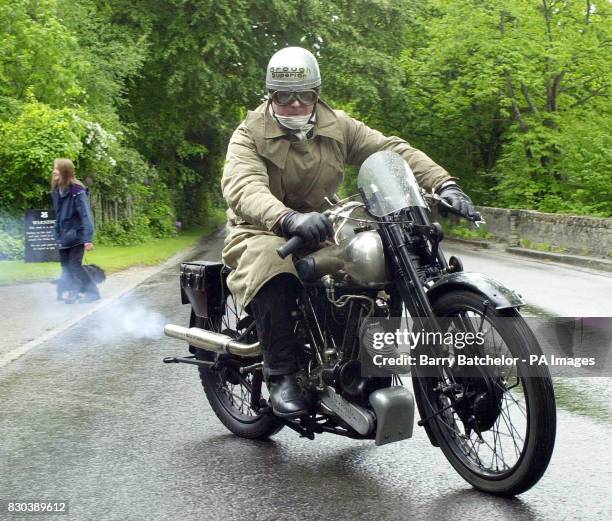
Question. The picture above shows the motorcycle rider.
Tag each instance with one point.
(283, 160)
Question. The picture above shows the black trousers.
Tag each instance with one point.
(271, 308)
(74, 277)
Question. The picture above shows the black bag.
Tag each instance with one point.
(204, 286)
(96, 274)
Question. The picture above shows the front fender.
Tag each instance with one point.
(498, 295)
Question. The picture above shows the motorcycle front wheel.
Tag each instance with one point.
(496, 425)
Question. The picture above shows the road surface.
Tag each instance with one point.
(92, 416)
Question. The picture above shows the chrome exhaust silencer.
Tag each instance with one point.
(211, 341)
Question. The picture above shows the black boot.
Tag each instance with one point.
(286, 396)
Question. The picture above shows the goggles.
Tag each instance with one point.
(286, 97)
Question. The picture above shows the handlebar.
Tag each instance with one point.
(291, 246)
(476, 218)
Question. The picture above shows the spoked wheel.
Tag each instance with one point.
(235, 397)
(495, 424)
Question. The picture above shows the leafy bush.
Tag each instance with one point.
(28, 145)
(160, 213)
(125, 232)
(11, 248)
(11, 238)
(464, 230)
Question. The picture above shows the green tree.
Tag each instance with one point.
(501, 89)
(37, 55)
(511, 96)
(63, 70)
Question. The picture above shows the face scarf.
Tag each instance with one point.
(299, 126)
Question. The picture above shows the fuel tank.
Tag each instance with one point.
(357, 256)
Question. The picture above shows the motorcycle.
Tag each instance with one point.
(494, 424)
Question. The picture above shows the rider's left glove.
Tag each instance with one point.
(460, 201)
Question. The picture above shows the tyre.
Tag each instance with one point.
(234, 397)
(495, 425)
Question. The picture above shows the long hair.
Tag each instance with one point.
(66, 174)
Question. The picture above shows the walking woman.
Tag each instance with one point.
(74, 229)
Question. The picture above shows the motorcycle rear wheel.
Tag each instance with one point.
(524, 415)
(229, 392)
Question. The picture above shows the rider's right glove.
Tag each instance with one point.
(313, 227)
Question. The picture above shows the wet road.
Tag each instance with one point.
(561, 289)
(122, 436)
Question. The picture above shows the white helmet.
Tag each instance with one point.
(293, 68)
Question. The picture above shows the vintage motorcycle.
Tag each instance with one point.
(495, 424)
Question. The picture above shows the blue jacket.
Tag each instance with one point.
(73, 218)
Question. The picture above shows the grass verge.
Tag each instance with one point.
(112, 258)
(542, 246)
(463, 230)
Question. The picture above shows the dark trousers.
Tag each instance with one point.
(271, 308)
(74, 277)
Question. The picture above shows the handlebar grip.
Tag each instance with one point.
(291, 246)
(449, 208)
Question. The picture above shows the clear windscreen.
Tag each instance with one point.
(388, 184)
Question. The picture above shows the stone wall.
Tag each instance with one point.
(498, 221)
(567, 233)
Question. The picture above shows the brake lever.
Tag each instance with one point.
(479, 222)
(450, 208)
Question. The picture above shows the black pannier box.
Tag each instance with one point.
(204, 286)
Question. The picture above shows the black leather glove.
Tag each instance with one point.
(460, 202)
(312, 227)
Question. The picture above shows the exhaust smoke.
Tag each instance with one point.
(128, 319)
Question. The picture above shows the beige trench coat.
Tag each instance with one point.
(267, 174)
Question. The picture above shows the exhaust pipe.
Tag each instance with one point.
(211, 341)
